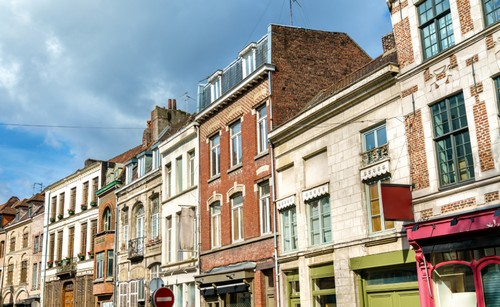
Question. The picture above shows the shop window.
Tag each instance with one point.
(490, 277)
(451, 136)
(323, 286)
(454, 286)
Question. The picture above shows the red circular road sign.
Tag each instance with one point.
(163, 297)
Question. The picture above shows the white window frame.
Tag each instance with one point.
(248, 62)
(237, 211)
(128, 172)
(289, 226)
(156, 158)
(191, 168)
(178, 174)
(34, 276)
(216, 88)
(215, 229)
(261, 129)
(155, 218)
(377, 137)
(265, 208)
(123, 294)
(99, 264)
(235, 143)
(107, 217)
(155, 271)
(321, 217)
(215, 155)
(169, 237)
(168, 180)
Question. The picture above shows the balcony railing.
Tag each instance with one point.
(68, 267)
(136, 248)
(374, 155)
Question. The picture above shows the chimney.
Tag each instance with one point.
(174, 104)
(388, 42)
(169, 103)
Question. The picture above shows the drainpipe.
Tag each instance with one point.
(273, 195)
(46, 244)
(198, 222)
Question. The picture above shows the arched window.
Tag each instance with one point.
(107, 219)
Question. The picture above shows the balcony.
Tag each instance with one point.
(68, 267)
(375, 155)
(136, 249)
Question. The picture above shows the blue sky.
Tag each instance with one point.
(90, 64)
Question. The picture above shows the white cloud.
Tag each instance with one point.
(9, 74)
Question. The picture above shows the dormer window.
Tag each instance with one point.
(248, 60)
(156, 158)
(145, 164)
(215, 85)
(131, 171)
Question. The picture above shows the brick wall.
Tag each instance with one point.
(461, 204)
(308, 61)
(483, 136)
(416, 150)
(464, 16)
(404, 44)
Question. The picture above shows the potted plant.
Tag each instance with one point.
(52, 220)
(81, 256)
(91, 254)
(67, 260)
(50, 263)
(60, 216)
(71, 211)
(59, 262)
(93, 204)
(83, 206)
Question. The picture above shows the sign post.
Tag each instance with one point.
(163, 297)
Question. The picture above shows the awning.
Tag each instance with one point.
(375, 171)
(315, 192)
(396, 201)
(285, 202)
(225, 288)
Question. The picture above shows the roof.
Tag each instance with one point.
(21, 203)
(126, 156)
(39, 197)
(171, 130)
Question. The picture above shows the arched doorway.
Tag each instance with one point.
(68, 295)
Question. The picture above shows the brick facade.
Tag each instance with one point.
(483, 137)
(466, 23)
(457, 205)
(403, 42)
(416, 150)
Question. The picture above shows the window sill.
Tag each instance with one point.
(213, 178)
(235, 168)
(456, 185)
(99, 280)
(261, 154)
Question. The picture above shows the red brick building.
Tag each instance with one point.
(269, 83)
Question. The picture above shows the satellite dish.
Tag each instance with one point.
(155, 283)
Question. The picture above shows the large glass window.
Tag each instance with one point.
(107, 219)
(491, 11)
(323, 286)
(289, 220)
(262, 129)
(215, 155)
(451, 136)
(490, 277)
(320, 221)
(375, 209)
(454, 286)
(215, 224)
(236, 154)
(99, 264)
(237, 214)
(436, 28)
(265, 210)
(110, 266)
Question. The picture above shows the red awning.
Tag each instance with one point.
(396, 201)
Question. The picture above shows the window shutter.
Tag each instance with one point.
(140, 290)
(133, 293)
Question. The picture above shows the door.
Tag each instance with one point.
(394, 299)
(68, 295)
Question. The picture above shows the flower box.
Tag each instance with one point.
(52, 220)
(71, 211)
(93, 204)
(59, 262)
(84, 207)
(50, 263)
(91, 254)
(60, 216)
(81, 256)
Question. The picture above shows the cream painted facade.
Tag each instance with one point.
(70, 225)
(179, 260)
(320, 164)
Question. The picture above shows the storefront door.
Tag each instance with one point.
(394, 299)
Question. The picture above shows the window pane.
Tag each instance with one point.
(490, 276)
(454, 286)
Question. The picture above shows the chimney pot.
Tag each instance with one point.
(174, 104)
(170, 103)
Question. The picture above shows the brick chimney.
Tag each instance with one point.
(388, 42)
(162, 118)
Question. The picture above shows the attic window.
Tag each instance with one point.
(248, 59)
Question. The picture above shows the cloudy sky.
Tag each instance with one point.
(78, 79)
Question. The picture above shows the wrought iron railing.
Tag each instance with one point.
(68, 266)
(136, 248)
(374, 155)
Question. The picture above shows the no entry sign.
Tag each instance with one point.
(163, 297)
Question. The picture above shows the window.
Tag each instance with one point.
(248, 62)
(71, 239)
(122, 294)
(110, 266)
(168, 180)
(25, 239)
(156, 158)
(265, 210)
(99, 265)
(497, 86)
(93, 232)
(491, 11)
(178, 174)
(53, 205)
(129, 171)
(289, 220)
(169, 238)
(145, 164)
(155, 271)
(323, 285)
(215, 86)
(12, 244)
(10, 273)
(374, 138)
(319, 221)
(52, 242)
(36, 244)
(235, 130)
(215, 155)
(436, 28)
(59, 244)
(24, 271)
(155, 218)
(85, 193)
(451, 136)
(262, 129)
(83, 238)
(215, 229)
(2, 246)
(133, 293)
(454, 282)
(376, 219)
(191, 170)
(107, 219)
(34, 277)
(95, 187)
(72, 199)
(61, 204)
(237, 214)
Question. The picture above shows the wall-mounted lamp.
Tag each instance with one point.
(497, 212)
(454, 221)
(415, 227)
